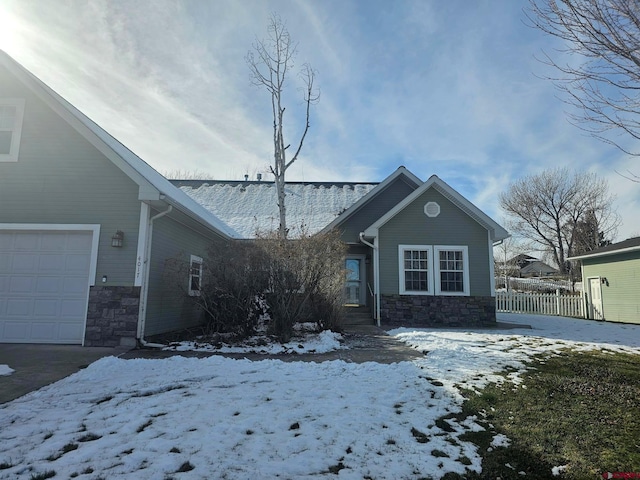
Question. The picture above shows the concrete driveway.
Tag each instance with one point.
(39, 365)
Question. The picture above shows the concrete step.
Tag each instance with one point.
(358, 316)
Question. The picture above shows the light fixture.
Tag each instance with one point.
(116, 240)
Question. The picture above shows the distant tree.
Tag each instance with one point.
(553, 208)
(602, 75)
(270, 63)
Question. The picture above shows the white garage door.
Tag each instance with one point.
(44, 285)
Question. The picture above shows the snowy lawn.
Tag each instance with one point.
(238, 419)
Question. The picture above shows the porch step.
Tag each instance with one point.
(358, 316)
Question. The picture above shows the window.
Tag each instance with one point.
(195, 276)
(433, 270)
(415, 268)
(11, 115)
(452, 271)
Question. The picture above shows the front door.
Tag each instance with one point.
(355, 286)
(595, 294)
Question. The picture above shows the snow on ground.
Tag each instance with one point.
(240, 419)
(5, 370)
(323, 342)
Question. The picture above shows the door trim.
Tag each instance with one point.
(363, 275)
(592, 311)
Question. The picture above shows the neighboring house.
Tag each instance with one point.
(86, 228)
(527, 266)
(611, 281)
(419, 252)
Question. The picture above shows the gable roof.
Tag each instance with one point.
(400, 172)
(250, 207)
(152, 185)
(496, 231)
(628, 245)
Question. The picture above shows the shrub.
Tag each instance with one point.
(245, 282)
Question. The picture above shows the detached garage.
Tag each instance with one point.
(45, 275)
(611, 279)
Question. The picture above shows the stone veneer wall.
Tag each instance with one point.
(437, 311)
(112, 317)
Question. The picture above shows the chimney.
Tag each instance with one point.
(259, 177)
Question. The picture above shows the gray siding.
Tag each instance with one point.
(61, 178)
(452, 227)
(621, 298)
(169, 308)
(367, 215)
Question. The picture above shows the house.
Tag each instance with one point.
(528, 266)
(88, 231)
(86, 227)
(611, 281)
(419, 252)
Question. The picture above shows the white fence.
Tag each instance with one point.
(541, 303)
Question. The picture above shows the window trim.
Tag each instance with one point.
(433, 270)
(465, 268)
(401, 277)
(195, 260)
(16, 132)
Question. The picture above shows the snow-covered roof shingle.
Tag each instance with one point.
(249, 207)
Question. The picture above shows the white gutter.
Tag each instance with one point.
(142, 315)
(376, 274)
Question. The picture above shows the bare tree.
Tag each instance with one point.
(270, 63)
(551, 208)
(602, 74)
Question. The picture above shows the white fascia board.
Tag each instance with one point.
(371, 195)
(495, 230)
(151, 184)
(606, 254)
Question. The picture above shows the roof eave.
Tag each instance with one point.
(371, 195)
(606, 254)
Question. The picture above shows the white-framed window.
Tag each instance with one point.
(451, 269)
(195, 276)
(415, 262)
(11, 116)
(433, 270)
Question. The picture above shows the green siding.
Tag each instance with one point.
(621, 298)
(61, 178)
(452, 227)
(367, 215)
(169, 308)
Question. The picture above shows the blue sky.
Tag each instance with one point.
(451, 88)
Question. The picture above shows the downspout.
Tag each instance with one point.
(145, 285)
(376, 274)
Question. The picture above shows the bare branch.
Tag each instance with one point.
(602, 82)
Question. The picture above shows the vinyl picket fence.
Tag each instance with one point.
(541, 303)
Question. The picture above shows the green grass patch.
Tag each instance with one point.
(574, 409)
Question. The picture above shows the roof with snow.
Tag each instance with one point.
(250, 207)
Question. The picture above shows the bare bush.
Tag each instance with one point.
(282, 282)
(306, 280)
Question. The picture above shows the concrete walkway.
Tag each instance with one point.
(39, 365)
(367, 343)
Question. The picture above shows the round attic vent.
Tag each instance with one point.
(432, 209)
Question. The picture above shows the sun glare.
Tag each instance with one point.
(9, 27)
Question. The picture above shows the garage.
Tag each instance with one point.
(44, 284)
